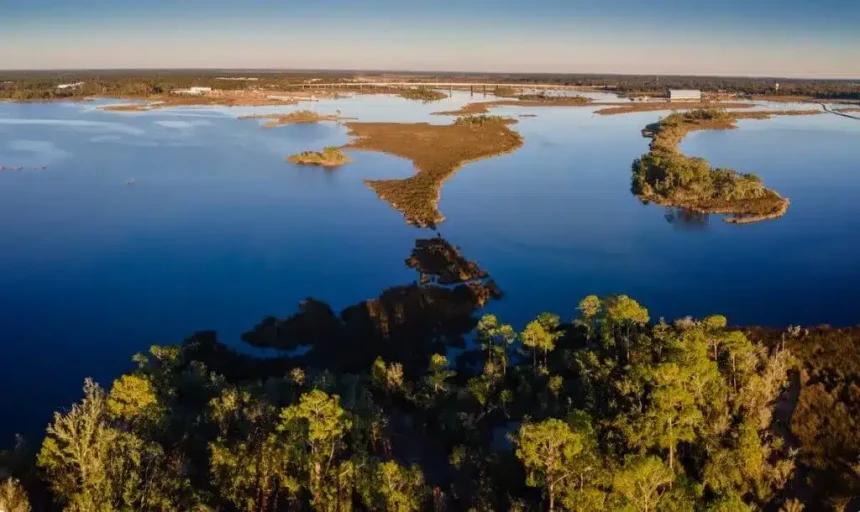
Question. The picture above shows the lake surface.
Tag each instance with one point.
(217, 231)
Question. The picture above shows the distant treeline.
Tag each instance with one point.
(629, 84)
(609, 411)
(31, 85)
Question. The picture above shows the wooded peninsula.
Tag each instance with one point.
(666, 176)
(414, 401)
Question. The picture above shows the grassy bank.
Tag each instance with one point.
(437, 151)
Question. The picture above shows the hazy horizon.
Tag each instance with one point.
(273, 70)
(757, 38)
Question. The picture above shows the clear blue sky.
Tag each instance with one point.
(730, 37)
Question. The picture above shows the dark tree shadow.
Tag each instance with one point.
(406, 323)
(687, 220)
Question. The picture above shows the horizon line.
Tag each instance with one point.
(429, 71)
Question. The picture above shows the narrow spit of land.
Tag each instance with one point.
(297, 117)
(328, 157)
(484, 107)
(667, 177)
(629, 108)
(608, 107)
(437, 151)
(844, 112)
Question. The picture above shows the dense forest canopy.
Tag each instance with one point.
(665, 171)
(415, 401)
(667, 176)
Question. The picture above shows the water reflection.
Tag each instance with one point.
(219, 231)
(406, 323)
(686, 219)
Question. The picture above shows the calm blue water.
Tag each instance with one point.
(218, 231)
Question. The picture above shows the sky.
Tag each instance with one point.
(787, 38)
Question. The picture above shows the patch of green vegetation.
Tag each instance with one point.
(330, 156)
(666, 176)
(678, 177)
(610, 411)
(504, 91)
(637, 415)
(480, 120)
(422, 93)
(541, 97)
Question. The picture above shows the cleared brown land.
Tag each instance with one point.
(225, 98)
(158, 102)
(261, 98)
(437, 152)
(778, 98)
(297, 117)
(767, 114)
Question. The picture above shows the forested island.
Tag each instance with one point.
(668, 177)
(416, 401)
(328, 157)
(297, 117)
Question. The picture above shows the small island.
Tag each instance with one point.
(437, 151)
(328, 157)
(667, 177)
(297, 117)
(439, 262)
(421, 93)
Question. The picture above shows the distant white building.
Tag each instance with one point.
(70, 86)
(197, 91)
(685, 95)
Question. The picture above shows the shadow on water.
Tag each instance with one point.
(406, 323)
(687, 220)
